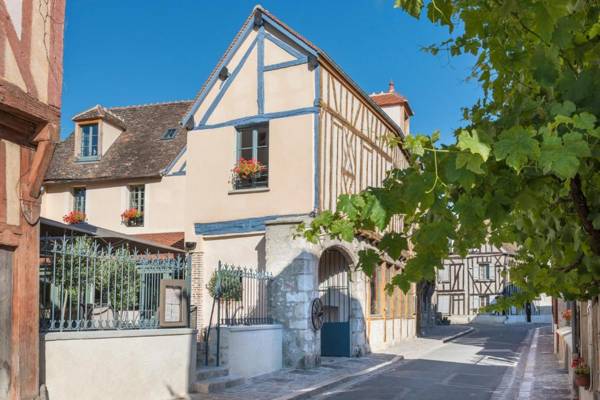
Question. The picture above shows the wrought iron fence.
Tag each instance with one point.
(86, 285)
(243, 295)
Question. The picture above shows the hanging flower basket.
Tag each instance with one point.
(246, 172)
(74, 217)
(132, 217)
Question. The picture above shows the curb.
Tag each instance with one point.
(456, 336)
(323, 387)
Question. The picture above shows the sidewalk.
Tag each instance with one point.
(543, 378)
(288, 384)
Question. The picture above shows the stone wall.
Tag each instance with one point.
(294, 264)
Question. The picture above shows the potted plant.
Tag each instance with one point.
(74, 217)
(582, 372)
(132, 216)
(567, 316)
(246, 171)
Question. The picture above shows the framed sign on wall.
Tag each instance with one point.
(173, 310)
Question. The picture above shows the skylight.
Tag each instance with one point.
(170, 133)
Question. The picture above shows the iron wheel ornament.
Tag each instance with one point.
(317, 314)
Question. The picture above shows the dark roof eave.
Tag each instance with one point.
(102, 179)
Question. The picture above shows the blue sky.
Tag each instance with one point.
(142, 51)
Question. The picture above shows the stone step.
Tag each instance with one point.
(204, 373)
(216, 384)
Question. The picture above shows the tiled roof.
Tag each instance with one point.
(138, 151)
(391, 98)
(99, 112)
(173, 239)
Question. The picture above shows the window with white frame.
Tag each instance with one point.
(252, 156)
(137, 194)
(79, 199)
(482, 272)
(89, 141)
(444, 274)
(478, 302)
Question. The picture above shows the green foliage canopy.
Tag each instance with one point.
(525, 167)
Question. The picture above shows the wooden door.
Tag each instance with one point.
(6, 257)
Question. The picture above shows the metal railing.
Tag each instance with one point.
(87, 285)
(241, 297)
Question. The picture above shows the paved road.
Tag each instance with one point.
(482, 365)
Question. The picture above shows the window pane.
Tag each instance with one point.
(94, 144)
(263, 156)
(85, 140)
(246, 138)
(79, 199)
(263, 138)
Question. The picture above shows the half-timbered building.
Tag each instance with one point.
(465, 285)
(276, 98)
(31, 38)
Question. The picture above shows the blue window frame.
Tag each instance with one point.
(170, 134)
(79, 199)
(253, 144)
(89, 141)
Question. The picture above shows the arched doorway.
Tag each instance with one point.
(334, 292)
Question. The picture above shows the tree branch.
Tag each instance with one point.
(583, 211)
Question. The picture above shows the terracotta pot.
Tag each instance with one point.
(582, 380)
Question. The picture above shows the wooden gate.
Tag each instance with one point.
(334, 291)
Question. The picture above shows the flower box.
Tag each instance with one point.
(74, 217)
(249, 174)
(132, 217)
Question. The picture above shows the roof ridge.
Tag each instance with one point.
(98, 106)
(160, 103)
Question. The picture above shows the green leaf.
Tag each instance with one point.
(413, 7)
(470, 162)
(562, 156)
(393, 244)
(470, 141)
(584, 120)
(567, 108)
(517, 146)
(368, 260)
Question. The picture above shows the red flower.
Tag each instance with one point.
(74, 217)
(131, 213)
(248, 168)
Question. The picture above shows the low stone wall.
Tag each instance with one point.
(251, 350)
(563, 347)
(129, 364)
(386, 333)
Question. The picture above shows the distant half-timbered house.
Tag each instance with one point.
(465, 285)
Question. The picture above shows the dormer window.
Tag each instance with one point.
(89, 141)
(170, 134)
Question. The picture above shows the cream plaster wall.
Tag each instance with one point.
(106, 201)
(240, 250)
(209, 193)
(275, 54)
(240, 97)
(128, 364)
(214, 91)
(289, 88)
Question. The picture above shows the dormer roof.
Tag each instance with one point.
(100, 112)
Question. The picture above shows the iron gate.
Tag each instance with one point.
(334, 291)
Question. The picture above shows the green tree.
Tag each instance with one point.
(525, 167)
